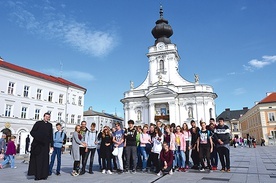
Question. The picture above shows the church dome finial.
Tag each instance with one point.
(162, 30)
(161, 11)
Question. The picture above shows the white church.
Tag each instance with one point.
(165, 95)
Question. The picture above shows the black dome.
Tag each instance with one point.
(162, 30)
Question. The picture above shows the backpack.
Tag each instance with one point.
(208, 134)
(64, 137)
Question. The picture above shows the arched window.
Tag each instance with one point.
(7, 132)
(161, 65)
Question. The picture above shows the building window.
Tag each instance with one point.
(50, 97)
(59, 116)
(10, 88)
(24, 112)
(38, 94)
(66, 120)
(235, 127)
(80, 101)
(74, 100)
(72, 118)
(37, 112)
(273, 133)
(271, 116)
(26, 91)
(161, 65)
(79, 119)
(60, 99)
(8, 110)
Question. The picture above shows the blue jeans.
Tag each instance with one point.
(9, 158)
(139, 154)
(145, 157)
(214, 157)
(99, 158)
(56, 152)
(180, 156)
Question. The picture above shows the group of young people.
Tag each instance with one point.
(155, 147)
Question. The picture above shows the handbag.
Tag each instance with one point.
(115, 151)
(2, 156)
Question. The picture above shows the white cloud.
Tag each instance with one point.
(258, 64)
(52, 24)
(239, 91)
(73, 75)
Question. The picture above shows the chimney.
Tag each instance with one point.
(268, 93)
(1, 59)
(90, 108)
(103, 111)
(227, 109)
(245, 108)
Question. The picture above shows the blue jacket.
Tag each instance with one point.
(58, 139)
(91, 138)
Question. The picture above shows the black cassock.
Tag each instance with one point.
(42, 133)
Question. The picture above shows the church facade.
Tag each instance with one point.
(165, 95)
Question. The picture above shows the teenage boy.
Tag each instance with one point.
(91, 141)
(131, 149)
(58, 137)
(204, 146)
(222, 136)
(214, 154)
(194, 155)
(118, 140)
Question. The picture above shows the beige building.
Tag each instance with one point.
(260, 122)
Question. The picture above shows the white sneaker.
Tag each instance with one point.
(160, 174)
(171, 172)
(109, 172)
(103, 171)
(15, 167)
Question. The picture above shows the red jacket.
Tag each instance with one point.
(11, 149)
(167, 156)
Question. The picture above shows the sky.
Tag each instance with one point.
(102, 45)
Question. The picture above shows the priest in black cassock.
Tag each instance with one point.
(42, 133)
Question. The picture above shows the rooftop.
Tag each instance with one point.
(58, 80)
(271, 97)
(228, 114)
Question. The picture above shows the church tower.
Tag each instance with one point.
(164, 95)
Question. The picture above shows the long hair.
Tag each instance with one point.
(77, 127)
(159, 133)
(107, 130)
(187, 128)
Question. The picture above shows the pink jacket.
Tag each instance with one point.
(144, 139)
(182, 142)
